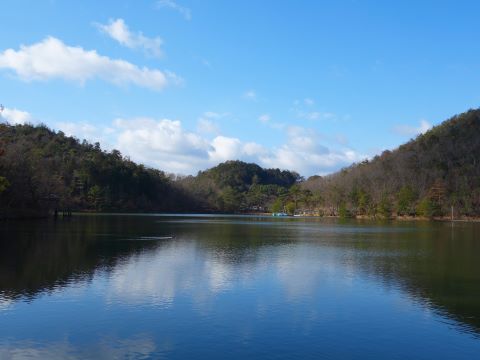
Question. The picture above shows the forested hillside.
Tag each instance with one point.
(238, 186)
(41, 170)
(426, 176)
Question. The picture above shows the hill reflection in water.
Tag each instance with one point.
(116, 285)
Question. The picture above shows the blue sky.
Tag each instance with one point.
(182, 85)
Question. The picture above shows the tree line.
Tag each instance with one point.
(42, 170)
(429, 176)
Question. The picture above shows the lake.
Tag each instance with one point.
(238, 287)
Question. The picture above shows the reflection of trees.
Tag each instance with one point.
(42, 255)
(435, 264)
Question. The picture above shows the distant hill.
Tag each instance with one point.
(239, 186)
(426, 176)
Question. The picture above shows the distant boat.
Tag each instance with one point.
(280, 214)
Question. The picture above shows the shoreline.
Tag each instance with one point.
(263, 214)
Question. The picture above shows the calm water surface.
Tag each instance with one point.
(179, 287)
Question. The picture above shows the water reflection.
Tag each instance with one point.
(106, 348)
(150, 286)
(182, 268)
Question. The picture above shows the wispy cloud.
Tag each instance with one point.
(52, 59)
(250, 95)
(409, 130)
(85, 130)
(305, 109)
(170, 4)
(316, 115)
(119, 31)
(205, 63)
(207, 124)
(264, 118)
(215, 115)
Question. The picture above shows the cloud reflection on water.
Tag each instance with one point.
(183, 269)
(106, 348)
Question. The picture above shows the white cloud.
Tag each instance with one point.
(184, 152)
(408, 130)
(265, 118)
(207, 123)
(207, 126)
(424, 126)
(341, 139)
(85, 130)
(15, 116)
(304, 153)
(81, 130)
(250, 95)
(166, 145)
(305, 140)
(52, 59)
(170, 4)
(162, 143)
(225, 148)
(119, 31)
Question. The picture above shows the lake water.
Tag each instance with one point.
(202, 287)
